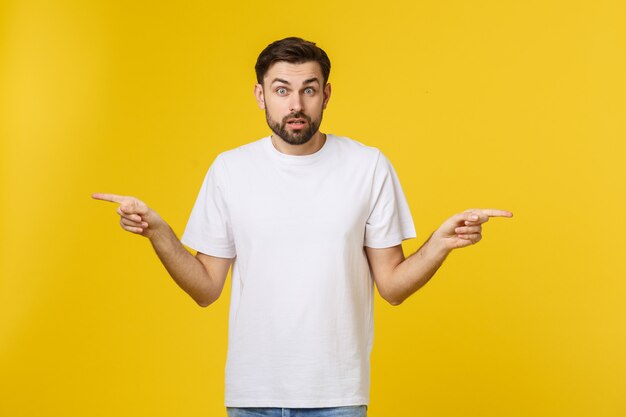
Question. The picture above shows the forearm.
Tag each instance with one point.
(186, 270)
(416, 270)
(397, 278)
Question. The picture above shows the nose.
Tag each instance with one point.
(295, 105)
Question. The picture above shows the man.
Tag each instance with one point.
(309, 222)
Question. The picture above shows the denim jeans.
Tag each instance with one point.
(348, 411)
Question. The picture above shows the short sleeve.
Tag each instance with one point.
(390, 221)
(209, 227)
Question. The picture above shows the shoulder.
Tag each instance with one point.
(232, 162)
(344, 142)
(351, 149)
(238, 157)
(364, 157)
(243, 152)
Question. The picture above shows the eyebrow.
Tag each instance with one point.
(307, 81)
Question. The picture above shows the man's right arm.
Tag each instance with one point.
(202, 276)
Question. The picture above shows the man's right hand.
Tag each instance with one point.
(135, 216)
(202, 276)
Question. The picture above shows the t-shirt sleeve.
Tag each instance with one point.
(209, 227)
(390, 220)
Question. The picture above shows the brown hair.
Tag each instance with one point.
(293, 50)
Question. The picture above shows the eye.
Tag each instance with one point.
(309, 91)
(281, 91)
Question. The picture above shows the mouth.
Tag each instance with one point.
(296, 123)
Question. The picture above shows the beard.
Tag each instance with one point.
(298, 137)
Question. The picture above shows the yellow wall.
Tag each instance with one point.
(518, 105)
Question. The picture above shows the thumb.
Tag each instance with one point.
(127, 208)
(137, 206)
(131, 206)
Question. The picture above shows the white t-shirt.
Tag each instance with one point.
(301, 322)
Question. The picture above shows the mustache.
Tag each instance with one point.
(296, 115)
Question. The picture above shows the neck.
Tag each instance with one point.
(313, 145)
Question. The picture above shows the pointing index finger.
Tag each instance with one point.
(114, 198)
(496, 213)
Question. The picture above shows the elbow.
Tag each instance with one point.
(204, 301)
(393, 299)
(395, 302)
(205, 297)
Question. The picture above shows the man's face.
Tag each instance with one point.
(294, 98)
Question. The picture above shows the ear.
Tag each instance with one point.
(259, 95)
(326, 95)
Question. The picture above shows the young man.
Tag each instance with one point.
(309, 222)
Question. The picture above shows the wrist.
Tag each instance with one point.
(158, 231)
(437, 247)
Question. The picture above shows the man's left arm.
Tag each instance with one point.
(397, 278)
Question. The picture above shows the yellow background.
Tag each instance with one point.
(519, 105)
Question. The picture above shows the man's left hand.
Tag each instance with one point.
(465, 229)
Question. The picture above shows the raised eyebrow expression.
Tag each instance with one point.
(307, 81)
